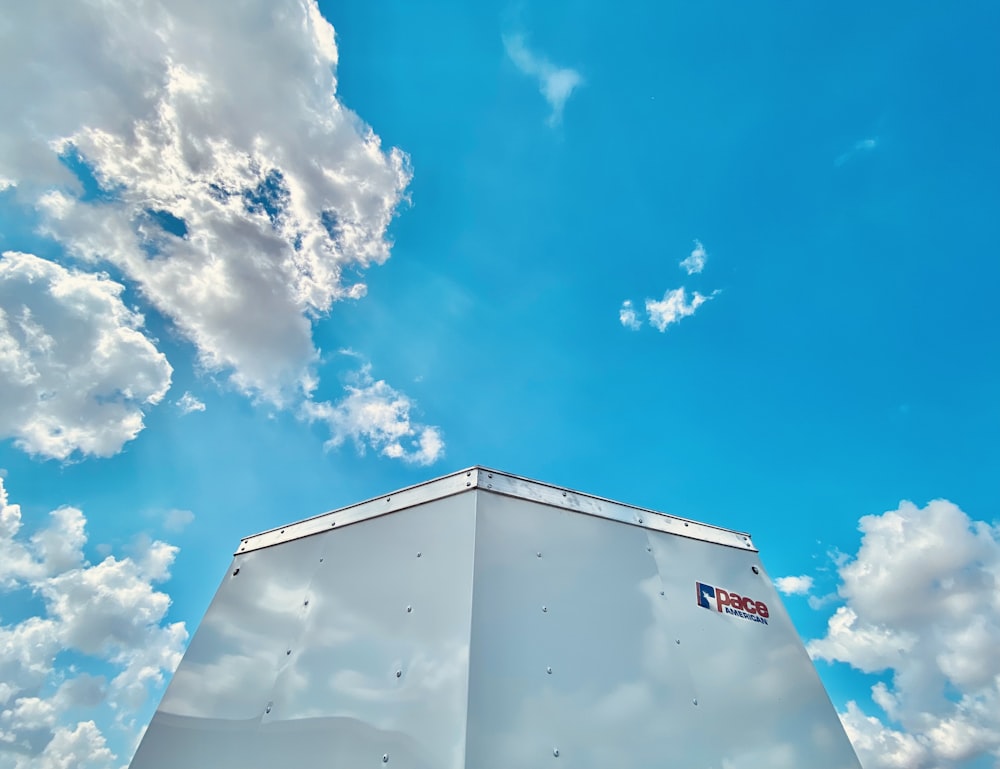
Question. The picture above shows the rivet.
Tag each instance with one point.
(305, 602)
(282, 531)
(321, 560)
(468, 483)
(419, 554)
(333, 523)
(548, 670)
(236, 571)
(638, 520)
(538, 554)
(287, 652)
(678, 641)
(564, 493)
(695, 701)
(545, 608)
(489, 485)
(755, 570)
(244, 547)
(489, 475)
(468, 474)
(661, 592)
(387, 500)
(555, 752)
(268, 708)
(385, 758)
(409, 609)
(399, 674)
(649, 549)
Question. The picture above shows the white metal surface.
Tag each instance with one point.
(503, 623)
(500, 483)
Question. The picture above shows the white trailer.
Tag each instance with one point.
(485, 621)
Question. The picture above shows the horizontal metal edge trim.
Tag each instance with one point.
(553, 496)
(500, 483)
(446, 486)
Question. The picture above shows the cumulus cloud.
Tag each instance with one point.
(800, 585)
(221, 173)
(555, 83)
(189, 403)
(628, 316)
(76, 370)
(109, 613)
(673, 308)
(374, 414)
(694, 262)
(921, 608)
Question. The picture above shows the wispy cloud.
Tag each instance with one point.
(864, 145)
(177, 520)
(673, 308)
(695, 261)
(555, 83)
(189, 403)
(628, 316)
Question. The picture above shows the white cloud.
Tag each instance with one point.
(673, 308)
(76, 371)
(794, 585)
(694, 262)
(628, 316)
(239, 194)
(921, 605)
(555, 83)
(189, 403)
(374, 414)
(109, 613)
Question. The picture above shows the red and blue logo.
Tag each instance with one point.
(728, 602)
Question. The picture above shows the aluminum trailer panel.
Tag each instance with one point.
(485, 621)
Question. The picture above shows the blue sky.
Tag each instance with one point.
(253, 272)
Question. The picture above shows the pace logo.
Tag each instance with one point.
(727, 602)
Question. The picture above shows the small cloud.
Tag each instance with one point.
(377, 415)
(188, 403)
(794, 585)
(673, 307)
(177, 520)
(555, 83)
(817, 602)
(865, 145)
(695, 261)
(628, 316)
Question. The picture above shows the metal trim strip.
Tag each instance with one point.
(496, 482)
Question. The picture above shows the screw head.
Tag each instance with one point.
(695, 702)
(236, 571)
(545, 608)
(555, 752)
(755, 570)
(267, 709)
(409, 609)
(548, 670)
(385, 758)
(399, 674)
